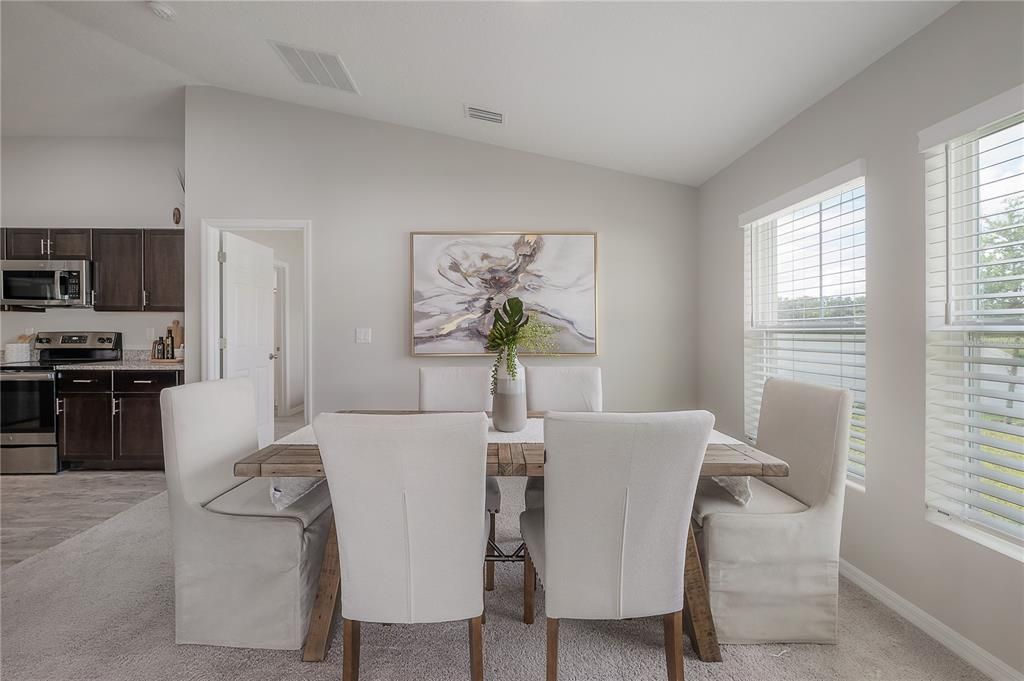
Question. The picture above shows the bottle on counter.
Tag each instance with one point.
(159, 348)
(169, 349)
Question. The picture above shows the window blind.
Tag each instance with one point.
(805, 303)
(974, 189)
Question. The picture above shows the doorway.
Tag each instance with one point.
(270, 323)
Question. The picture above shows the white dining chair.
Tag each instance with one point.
(463, 389)
(773, 564)
(412, 530)
(559, 389)
(609, 543)
(245, 573)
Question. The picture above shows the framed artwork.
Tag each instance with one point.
(459, 278)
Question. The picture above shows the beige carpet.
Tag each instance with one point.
(99, 606)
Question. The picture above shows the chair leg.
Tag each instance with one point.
(529, 584)
(483, 613)
(674, 645)
(350, 653)
(489, 569)
(552, 649)
(476, 649)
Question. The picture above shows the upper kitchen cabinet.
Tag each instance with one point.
(24, 243)
(70, 244)
(117, 269)
(164, 269)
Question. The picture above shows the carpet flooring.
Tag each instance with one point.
(99, 607)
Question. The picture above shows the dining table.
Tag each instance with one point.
(508, 455)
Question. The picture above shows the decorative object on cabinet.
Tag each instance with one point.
(459, 278)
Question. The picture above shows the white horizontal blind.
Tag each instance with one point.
(805, 303)
(975, 220)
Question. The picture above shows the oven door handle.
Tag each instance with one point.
(26, 376)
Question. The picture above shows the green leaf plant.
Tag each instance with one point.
(512, 330)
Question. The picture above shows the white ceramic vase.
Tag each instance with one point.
(509, 407)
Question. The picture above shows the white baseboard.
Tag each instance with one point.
(296, 410)
(970, 652)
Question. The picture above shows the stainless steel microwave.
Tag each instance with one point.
(46, 283)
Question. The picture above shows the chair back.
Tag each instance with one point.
(207, 427)
(618, 496)
(808, 427)
(563, 389)
(455, 389)
(408, 497)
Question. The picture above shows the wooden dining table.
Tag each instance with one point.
(724, 457)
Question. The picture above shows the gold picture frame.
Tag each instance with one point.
(501, 233)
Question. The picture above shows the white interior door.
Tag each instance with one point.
(247, 322)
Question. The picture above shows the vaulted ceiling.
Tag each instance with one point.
(668, 90)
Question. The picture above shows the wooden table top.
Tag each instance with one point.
(503, 459)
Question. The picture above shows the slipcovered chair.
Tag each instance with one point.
(245, 573)
(619, 494)
(412, 530)
(559, 389)
(463, 389)
(773, 565)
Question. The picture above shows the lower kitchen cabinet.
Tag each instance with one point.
(111, 420)
(85, 427)
(137, 432)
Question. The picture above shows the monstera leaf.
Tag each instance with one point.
(508, 319)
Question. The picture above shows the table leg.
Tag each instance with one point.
(698, 606)
(321, 617)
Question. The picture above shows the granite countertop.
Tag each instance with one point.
(123, 365)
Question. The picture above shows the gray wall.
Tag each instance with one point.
(971, 53)
(90, 182)
(365, 185)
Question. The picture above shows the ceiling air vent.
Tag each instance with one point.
(316, 68)
(484, 115)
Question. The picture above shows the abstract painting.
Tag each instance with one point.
(458, 279)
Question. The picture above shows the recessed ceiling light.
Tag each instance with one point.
(165, 12)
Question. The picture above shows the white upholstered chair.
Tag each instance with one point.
(773, 565)
(245, 574)
(559, 389)
(609, 543)
(463, 389)
(412, 531)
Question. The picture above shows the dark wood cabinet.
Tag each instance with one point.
(137, 432)
(3, 244)
(26, 244)
(23, 243)
(117, 269)
(164, 270)
(70, 244)
(85, 427)
(111, 419)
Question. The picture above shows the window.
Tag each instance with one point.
(975, 222)
(805, 303)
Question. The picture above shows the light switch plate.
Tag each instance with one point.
(364, 335)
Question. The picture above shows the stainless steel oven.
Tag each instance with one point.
(28, 421)
(47, 283)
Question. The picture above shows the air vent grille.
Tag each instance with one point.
(484, 115)
(316, 68)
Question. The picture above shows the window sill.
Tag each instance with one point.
(979, 536)
(856, 486)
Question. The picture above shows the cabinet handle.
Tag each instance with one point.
(42, 247)
(59, 410)
(92, 293)
(83, 380)
(145, 297)
(113, 407)
(141, 381)
(49, 247)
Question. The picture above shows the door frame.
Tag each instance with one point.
(282, 314)
(210, 292)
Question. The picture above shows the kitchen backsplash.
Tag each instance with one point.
(138, 329)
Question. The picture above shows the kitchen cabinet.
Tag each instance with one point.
(85, 427)
(111, 419)
(164, 270)
(117, 269)
(24, 243)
